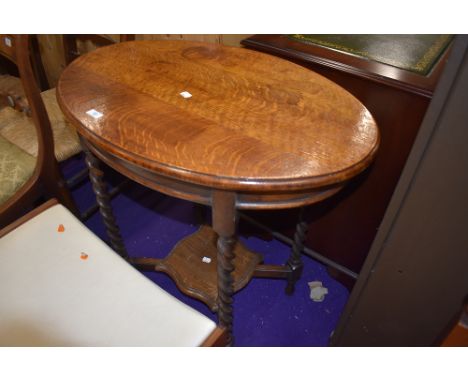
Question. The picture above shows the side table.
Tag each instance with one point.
(220, 126)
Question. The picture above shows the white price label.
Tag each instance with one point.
(94, 113)
(185, 94)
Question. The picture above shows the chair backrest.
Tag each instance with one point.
(16, 49)
(71, 41)
(47, 175)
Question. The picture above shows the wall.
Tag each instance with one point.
(53, 57)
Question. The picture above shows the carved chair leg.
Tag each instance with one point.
(295, 261)
(224, 224)
(103, 200)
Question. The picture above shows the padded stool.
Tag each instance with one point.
(60, 285)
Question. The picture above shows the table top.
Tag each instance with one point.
(253, 121)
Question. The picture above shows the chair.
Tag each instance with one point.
(25, 177)
(20, 130)
(60, 285)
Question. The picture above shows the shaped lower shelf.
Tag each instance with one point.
(197, 278)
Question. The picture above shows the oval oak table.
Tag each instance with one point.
(220, 126)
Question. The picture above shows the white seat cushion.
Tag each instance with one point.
(51, 296)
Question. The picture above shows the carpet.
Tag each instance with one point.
(152, 223)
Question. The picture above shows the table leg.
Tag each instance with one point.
(103, 200)
(224, 224)
(295, 261)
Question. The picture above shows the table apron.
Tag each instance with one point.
(203, 195)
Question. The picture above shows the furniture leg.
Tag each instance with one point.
(56, 186)
(103, 200)
(224, 224)
(295, 261)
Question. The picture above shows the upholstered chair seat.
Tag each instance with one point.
(16, 167)
(60, 285)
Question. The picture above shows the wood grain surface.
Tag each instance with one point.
(52, 49)
(199, 279)
(254, 121)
